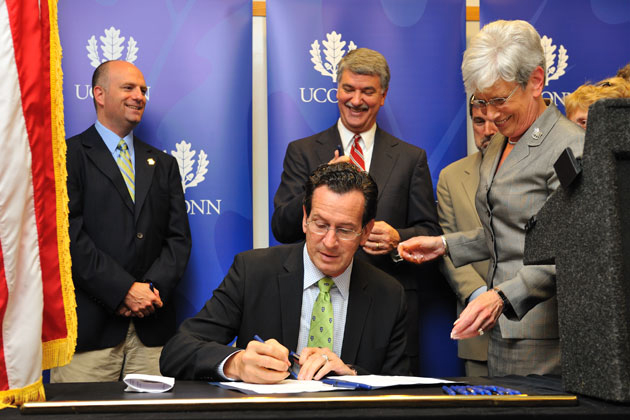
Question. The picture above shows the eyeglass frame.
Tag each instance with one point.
(496, 102)
(337, 231)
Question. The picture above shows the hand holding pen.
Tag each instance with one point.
(262, 362)
(338, 156)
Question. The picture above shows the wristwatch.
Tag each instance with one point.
(504, 299)
(395, 256)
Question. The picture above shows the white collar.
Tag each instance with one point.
(347, 136)
(312, 275)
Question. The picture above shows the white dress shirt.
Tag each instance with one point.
(366, 142)
(339, 294)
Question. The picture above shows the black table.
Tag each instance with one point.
(197, 400)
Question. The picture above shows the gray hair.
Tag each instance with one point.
(507, 50)
(365, 61)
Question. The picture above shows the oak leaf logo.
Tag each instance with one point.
(111, 48)
(186, 162)
(554, 69)
(333, 53)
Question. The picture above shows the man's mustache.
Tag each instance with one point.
(362, 107)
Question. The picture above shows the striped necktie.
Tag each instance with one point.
(356, 153)
(321, 332)
(126, 167)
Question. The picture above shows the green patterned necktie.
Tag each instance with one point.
(126, 167)
(321, 331)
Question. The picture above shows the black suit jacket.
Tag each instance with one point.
(405, 192)
(262, 294)
(114, 242)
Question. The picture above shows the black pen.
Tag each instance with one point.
(291, 353)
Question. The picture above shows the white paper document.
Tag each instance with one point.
(148, 383)
(382, 381)
(290, 386)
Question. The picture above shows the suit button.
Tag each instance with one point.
(139, 235)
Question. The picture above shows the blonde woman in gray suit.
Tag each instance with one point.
(504, 68)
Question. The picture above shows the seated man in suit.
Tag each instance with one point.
(456, 190)
(278, 293)
(406, 205)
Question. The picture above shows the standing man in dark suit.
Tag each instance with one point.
(279, 293)
(456, 190)
(406, 205)
(129, 235)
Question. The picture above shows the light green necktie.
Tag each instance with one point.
(321, 331)
(126, 167)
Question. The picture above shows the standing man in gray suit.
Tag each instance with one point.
(456, 191)
(504, 67)
(406, 206)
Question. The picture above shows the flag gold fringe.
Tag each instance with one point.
(59, 352)
(18, 396)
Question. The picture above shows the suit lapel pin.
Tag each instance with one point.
(151, 161)
(537, 133)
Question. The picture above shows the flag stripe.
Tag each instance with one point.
(4, 295)
(59, 299)
(22, 323)
(36, 294)
(32, 57)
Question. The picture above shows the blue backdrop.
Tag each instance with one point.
(586, 40)
(423, 42)
(196, 57)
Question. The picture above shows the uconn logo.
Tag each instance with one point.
(556, 61)
(111, 47)
(325, 62)
(193, 168)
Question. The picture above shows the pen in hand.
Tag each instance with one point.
(292, 354)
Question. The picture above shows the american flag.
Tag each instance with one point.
(37, 304)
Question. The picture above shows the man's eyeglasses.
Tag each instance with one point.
(480, 103)
(319, 228)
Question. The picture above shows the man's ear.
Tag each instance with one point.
(99, 95)
(304, 217)
(383, 98)
(367, 229)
